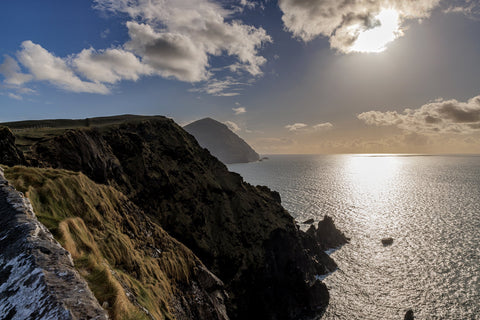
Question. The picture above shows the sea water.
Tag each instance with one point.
(429, 205)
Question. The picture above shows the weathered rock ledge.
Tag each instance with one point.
(37, 277)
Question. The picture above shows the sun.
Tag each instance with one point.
(376, 39)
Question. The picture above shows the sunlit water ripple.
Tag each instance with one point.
(429, 205)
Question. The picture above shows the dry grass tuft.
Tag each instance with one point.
(114, 246)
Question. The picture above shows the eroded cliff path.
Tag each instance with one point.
(37, 277)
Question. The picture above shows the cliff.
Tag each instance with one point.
(9, 153)
(221, 141)
(240, 232)
(134, 268)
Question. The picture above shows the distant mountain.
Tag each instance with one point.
(221, 141)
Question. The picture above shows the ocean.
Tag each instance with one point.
(429, 205)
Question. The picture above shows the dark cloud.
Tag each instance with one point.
(432, 120)
(460, 113)
(169, 54)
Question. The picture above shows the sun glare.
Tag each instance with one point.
(376, 39)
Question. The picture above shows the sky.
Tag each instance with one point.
(288, 76)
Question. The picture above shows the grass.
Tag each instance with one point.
(114, 246)
(76, 123)
(29, 132)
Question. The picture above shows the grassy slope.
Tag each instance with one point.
(31, 131)
(74, 123)
(111, 241)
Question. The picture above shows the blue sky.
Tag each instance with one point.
(290, 76)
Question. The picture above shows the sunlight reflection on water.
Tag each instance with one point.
(374, 179)
(428, 205)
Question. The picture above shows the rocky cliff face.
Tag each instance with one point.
(221, 141)
(239, 231)
(37, 276)
(134, 268)
(9, 153)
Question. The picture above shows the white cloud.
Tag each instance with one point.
(12, 72)
(305, 128)
(44, 66)
(322, 126)
(469, 8)
(24, 90)
(440, 116)
(15, 92)
(15, 96)
(232, 126)
(104, 34)
(344, 21)
(168, 38)
(110, 66)
(248, 4)
(239, 110)
(177, 36)
(296, 126)
(220, 88)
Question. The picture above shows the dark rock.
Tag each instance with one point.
(221, 141)
(281, 284)
(409, 315)
(328, 235)
(9, 153)
(316, 294)
(204, 299)
(208, 280)
(309, 221)
(387, 241)
(274, 194)
(80, 150)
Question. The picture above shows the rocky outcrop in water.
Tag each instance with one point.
(309, 221)
(409, 315)
(37, 276)
(240, 232)
(222, 142)
(387, 241)
(327, 234)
